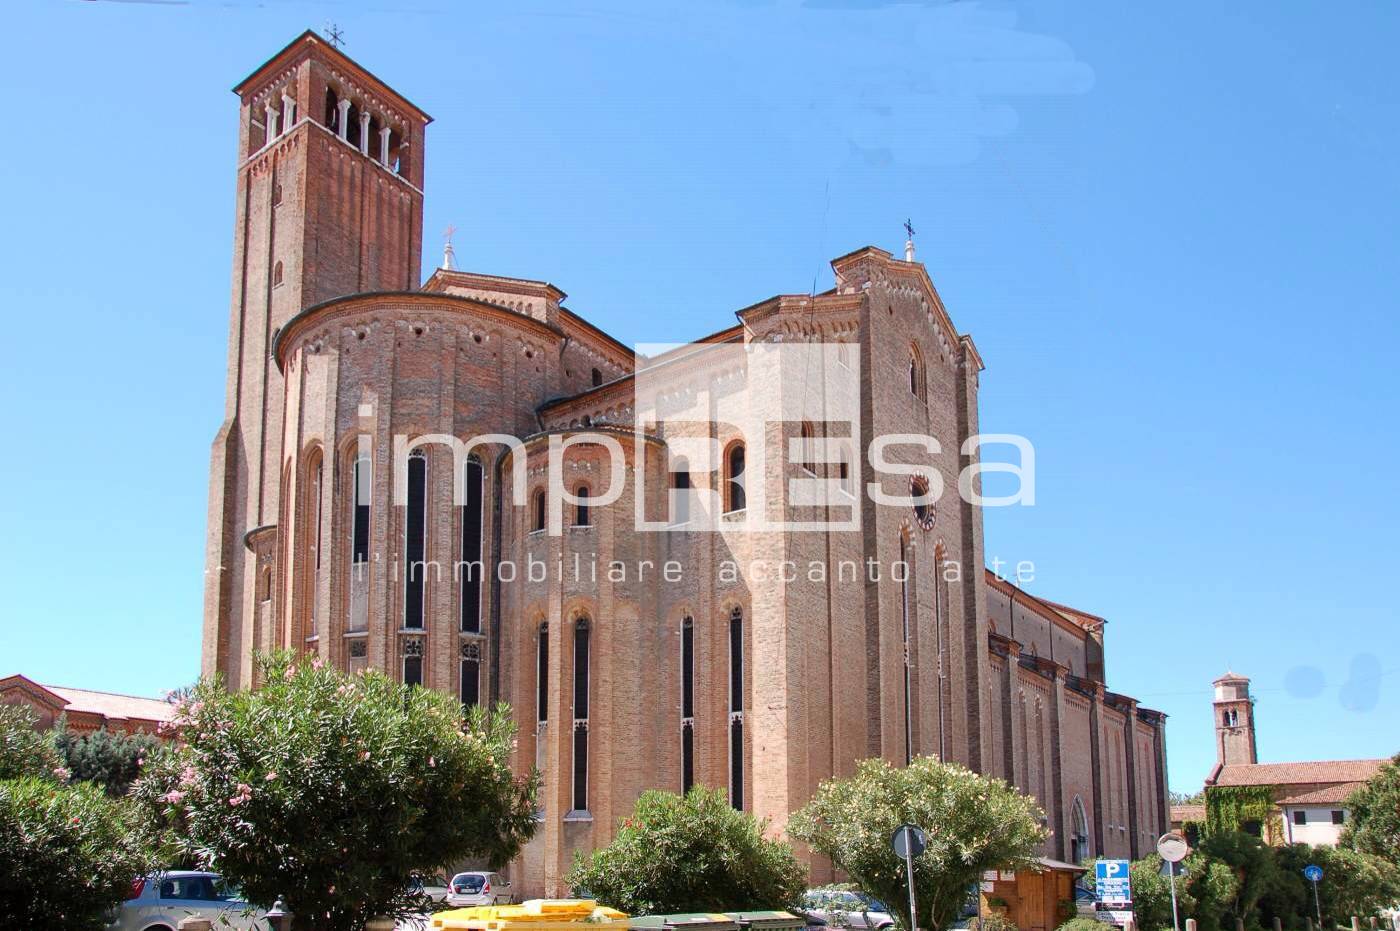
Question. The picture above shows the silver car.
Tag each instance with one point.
(842, 908)
(159, 902)
(479, 888)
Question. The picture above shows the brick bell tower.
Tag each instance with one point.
(329, 203)
(1234, 721)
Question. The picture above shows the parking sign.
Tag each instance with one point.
(1111, 886)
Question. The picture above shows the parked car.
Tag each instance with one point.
(434, 887)
(847, 909)
(472, 888)
(1086, 904)
(159, 902)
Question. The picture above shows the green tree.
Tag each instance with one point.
(1203, 891)
(330, 790)
(690, 854)
(1374, 827)
(974, 823)
(68, 854)
(25, 751)
(1253, 864)
(112, 760)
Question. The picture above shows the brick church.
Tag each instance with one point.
(763, 683)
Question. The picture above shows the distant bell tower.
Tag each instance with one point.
(329, 203)
(1234, 721)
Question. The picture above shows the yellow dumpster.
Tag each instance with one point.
(534, 915)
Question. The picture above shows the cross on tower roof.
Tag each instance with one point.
(333, 33)
(909, 228)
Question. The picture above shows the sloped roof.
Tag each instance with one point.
(112, 705)
(1184, 813)
(108, 705)
(1292, 774)
(1327, 795)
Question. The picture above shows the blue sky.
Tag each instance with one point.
(1171, 230)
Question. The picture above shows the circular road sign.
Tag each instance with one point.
(908, 841)
(1172, 847)
(1312, 872)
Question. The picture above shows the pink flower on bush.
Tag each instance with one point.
(173, 797)
(270, 776)
(245, 794)
(61, 773)
(364, 756)
(318, 663)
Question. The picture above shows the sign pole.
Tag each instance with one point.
(1175, 926)
(908, 842)
(909, 872)
(1317, 904)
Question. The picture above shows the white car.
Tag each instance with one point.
(844, 909)
(479, 888)
(159, 902)
(432, 886)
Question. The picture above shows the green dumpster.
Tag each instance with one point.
(767, 921)
(690, 921)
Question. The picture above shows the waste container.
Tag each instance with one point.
(767, 921)
(689, 921)
(534, 915)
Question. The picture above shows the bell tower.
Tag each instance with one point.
(329, 203)
(1234, 721)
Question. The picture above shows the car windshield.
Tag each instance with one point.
(468, 882)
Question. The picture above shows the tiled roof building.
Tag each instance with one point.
(85, 710)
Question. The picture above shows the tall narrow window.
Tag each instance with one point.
(277, 274)
(537, 511)
(917, 380)
(687, 704)
(317, 477)
(415, 541)
(581, 515)
(597, 377)
(542, 675)
(680, 493)
(359, 543)
(470, 673)
(807, 449)
(413, 662)
(736, 709)
(472, 570)
(904, 612)
(581, 657)
(734, 496)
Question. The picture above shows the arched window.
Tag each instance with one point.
(581, 515)
(581, 673)
(680, 492)
(332, 110)
(597, 375)
(687, 704)
(542, 676)
(310, 563)
(537, 511)
(415, 541)
(1079, 832)
(735, 498)
(807, 454)
(470, 673)
(917, 379)
(277, 274)
(736, 708)
(472, 570)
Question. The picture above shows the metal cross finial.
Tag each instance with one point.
(909, 227)
(335, 35)
(447, 233)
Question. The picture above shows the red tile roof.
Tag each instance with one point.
(1183, 813)
(111, 705)
(1296, 774)
(1327, 795)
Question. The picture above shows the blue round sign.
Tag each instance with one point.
(1313, 873)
